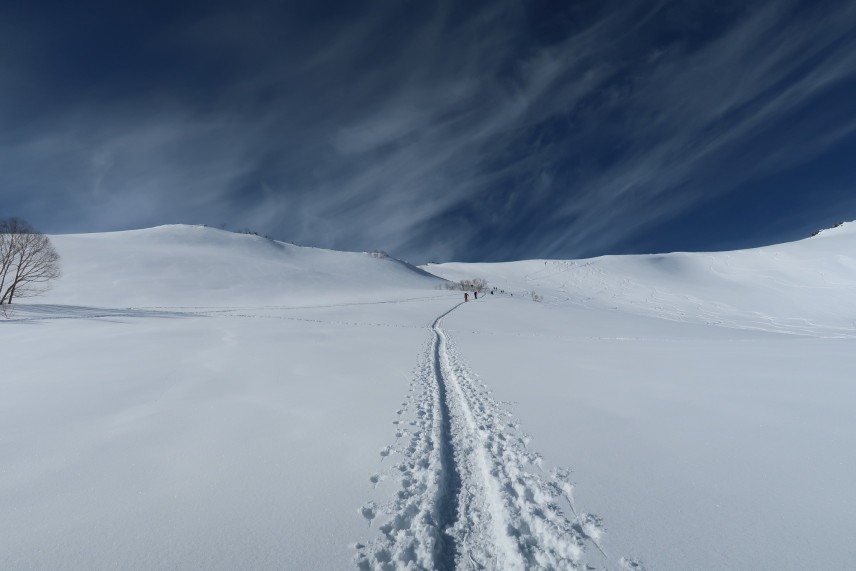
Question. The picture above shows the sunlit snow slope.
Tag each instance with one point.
(188, 398)
(197, 265)
(807, 286)
(704, 401)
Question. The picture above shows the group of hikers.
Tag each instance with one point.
(476, 294)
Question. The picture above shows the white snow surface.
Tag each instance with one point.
(196, 265)
(188, 398)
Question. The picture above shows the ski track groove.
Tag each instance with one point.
(471, 494)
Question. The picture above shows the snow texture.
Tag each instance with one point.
(195, 399)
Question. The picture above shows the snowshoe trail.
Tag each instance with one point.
(471, 494)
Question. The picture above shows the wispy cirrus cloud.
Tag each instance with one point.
(437, 131)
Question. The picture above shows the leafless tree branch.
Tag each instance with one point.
(28, 261)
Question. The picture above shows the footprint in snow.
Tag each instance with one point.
(632, 564)
(369, 511)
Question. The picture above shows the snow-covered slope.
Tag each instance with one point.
(807, 286)
(187, 398)
(704, 400)
(197, 265)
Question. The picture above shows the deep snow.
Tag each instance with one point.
(191, 398)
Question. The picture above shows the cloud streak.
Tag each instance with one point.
(490, 131)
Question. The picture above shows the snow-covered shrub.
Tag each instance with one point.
(475, 284)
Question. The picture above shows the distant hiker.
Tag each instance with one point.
(491, 293)
(466, 296)
(476, 294)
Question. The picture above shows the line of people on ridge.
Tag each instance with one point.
(476, 294)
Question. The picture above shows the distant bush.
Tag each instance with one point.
(475, 284)
(536, 297)
(379, 254)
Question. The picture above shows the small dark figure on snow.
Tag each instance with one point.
(475, 295)
(466, 296)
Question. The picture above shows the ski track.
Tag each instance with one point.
(471, 493)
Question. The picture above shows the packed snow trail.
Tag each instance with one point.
(451, 479)
(472, 495)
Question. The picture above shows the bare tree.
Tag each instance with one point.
(28, 261)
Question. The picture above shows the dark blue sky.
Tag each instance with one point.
(434, 130)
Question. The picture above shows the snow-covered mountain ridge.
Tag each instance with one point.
(198, 265)
(807, 286)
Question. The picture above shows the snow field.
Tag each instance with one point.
(711, 401)
(196, 441)
(190, 398)
(472, 495)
